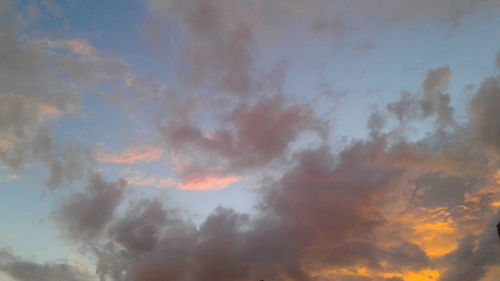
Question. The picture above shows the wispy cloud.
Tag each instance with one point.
(143, 154)
(139, 179)
(209, 182)
(9, 178)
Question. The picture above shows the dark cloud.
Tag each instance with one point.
(474, 254)
(322, 211)
(484, 114)
(22, 270)
(439, 190)
(406, 108)
(434, 101)
(139, 231)
(83, 216)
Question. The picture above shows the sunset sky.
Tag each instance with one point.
(241, 140)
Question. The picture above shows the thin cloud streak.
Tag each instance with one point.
(144, 154)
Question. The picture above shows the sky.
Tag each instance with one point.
(238, 140)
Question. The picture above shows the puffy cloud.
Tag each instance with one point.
(261, 132)
(83, 216)
(406, 109)
(434, 101)
(211, 43)
(321, 212)
(484, 114)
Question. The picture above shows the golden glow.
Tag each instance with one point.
(497, 177)
(433, 231)
(421, 275)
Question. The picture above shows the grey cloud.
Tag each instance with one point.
(212, 44)
(139, 231)
(22, 270)
(434, 101)
(322, 211)
(83, 216)
(261, 132)
(440, 190)
(406, 109)
(484, 114)
(470, 260)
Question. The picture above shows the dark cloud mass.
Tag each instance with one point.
(83, 216)
(485, 114)
(329, 210)
(22, 270)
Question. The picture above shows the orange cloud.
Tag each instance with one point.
(426, 274)
(142, 154)
(433, 230)
(209, 182)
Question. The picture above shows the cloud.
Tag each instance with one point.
(382, 208)
(483, 110)
(434, 101)
(406, 109)
(84, 216)
(144, 154)
(188, 178)
(261, 133)
(41, 81)
(474, 255)
(22, 270)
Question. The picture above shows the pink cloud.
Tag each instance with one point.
(191, 182)
(143, 154)
(209, 182)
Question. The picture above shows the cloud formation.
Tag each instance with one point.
(30, 271)
(134, 155)
(84, 216)
(383, 208)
